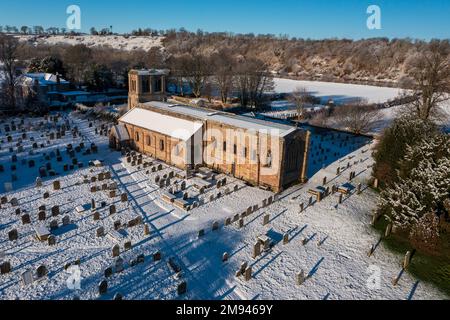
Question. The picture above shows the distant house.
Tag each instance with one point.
(55, 91)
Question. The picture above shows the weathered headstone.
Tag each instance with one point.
(182, 288)
(55, 211)
(13, 235)
(56, 185)
(66, 220)
(27, 278)
(26, 219)
(248, 273)
(301, 277)
(5, 267)
(103, 287)
(41, 271)
(100, 232)
(115, 251)
(266, 219)
(51, 240)
(225, 257)
(256, 250)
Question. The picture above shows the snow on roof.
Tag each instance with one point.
(152, 72)
(168, 125)
(243, 122)
(43, 78)
(121, 132)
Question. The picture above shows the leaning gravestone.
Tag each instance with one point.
(56, 185)
(100, 232)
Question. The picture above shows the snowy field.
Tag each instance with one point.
(328, 241)
(115, 42)
(338, 92)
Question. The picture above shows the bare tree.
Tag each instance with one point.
(223, 64)
(8, 58)
(430, 72)
(253, 81)
(358, 117)
(197, 71)
(299, 97)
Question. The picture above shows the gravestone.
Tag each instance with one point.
(112, 209)
(53, 225)
(55, 211)
(92, 204)
(100, 232)
(241, 223)
(157, 256)
(225, 257)
(182, 288)
(96, 216)
(118, 265)
(388, 231)
(407, 260)
(108, 272)
(27, 278)
(302, 207)
(5, 267)
(46, 195)
(13, 235)
(14, 202)
(56, 185)
(127, 246)
(112, 193)
(26, 219)
(227, 221)
(66, 220)
(146, 229)
(266, 219)
(215, 226)
(285, 238)
(118, 297)
(124, 197)
(256, 250)
(51, 240)
(201, 233)
(42, 216)
(301, 277)
(115, 251)
(41, 271)
(248, 273)
(103, 287)
(117, 225)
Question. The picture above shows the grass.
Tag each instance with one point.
(427, 268)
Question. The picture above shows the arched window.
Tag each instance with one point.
(149, 141)
(137, 137)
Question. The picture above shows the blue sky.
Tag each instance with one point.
(422, 19)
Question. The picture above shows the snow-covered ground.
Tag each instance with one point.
(115, 42)
(338, 92)
(334, 256)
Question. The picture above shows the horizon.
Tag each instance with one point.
(322, 19)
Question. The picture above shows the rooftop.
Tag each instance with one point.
(164, 124)
(152, 72)
(243, 122)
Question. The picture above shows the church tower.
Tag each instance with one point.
(145, 86)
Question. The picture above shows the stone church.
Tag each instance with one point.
(263, 153)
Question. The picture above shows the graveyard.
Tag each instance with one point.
(80, 221)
